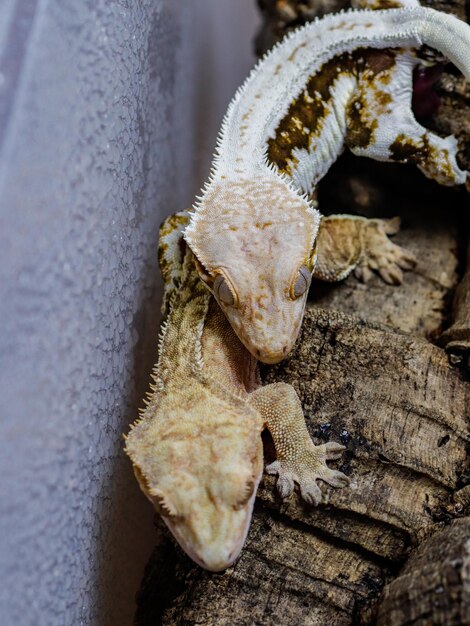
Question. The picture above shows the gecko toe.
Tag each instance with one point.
(335, 478)
(363, 273)
(407, 261)
(310, 492)
(334, 446)
(392, 225)
(391, 274)
(285, 486)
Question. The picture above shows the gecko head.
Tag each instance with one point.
(254, 243)
(201, 471)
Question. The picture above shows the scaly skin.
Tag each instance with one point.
(196, 450)
(342, 81)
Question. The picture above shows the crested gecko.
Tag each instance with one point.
(196, 449)
(344, 80)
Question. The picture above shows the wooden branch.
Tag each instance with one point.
(456, 339)
(453, 117)
(434, 584)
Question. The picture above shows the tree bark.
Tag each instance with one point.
(392, 549)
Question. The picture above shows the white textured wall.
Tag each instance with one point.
(108, 110)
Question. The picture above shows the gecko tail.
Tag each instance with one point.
(449, 35)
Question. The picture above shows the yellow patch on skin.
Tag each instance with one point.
(338, 26)
(171, 250)
(360, 128)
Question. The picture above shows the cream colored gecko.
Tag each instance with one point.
(196, 449)
(342, 81)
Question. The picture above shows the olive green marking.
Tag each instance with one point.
(303, 123)
(371, 102)
(361, 129)
(405, 149)
(421, 153)
(170, 225)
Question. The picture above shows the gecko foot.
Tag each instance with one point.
(308, 466)
(381, 255)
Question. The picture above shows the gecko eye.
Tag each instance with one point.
(236, 485)
(301, 283)
(246, 493)
(223, 291)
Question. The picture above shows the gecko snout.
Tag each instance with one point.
(219, 561)
(272, 356)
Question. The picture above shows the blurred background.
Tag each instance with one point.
(109, 112)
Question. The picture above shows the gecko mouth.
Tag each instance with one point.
(272, 357)
(219, 566)
(215, 557)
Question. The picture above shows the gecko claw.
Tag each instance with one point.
(407, 261)
(335, 478)
(391, 274)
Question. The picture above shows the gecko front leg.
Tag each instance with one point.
(349, 243)
(299, 460)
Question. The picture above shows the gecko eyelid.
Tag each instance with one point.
(301, 283)
(223, 291)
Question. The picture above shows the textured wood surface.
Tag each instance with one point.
(456, 339)
(434, 585)
(392, 549)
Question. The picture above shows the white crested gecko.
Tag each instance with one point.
(341, 81)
